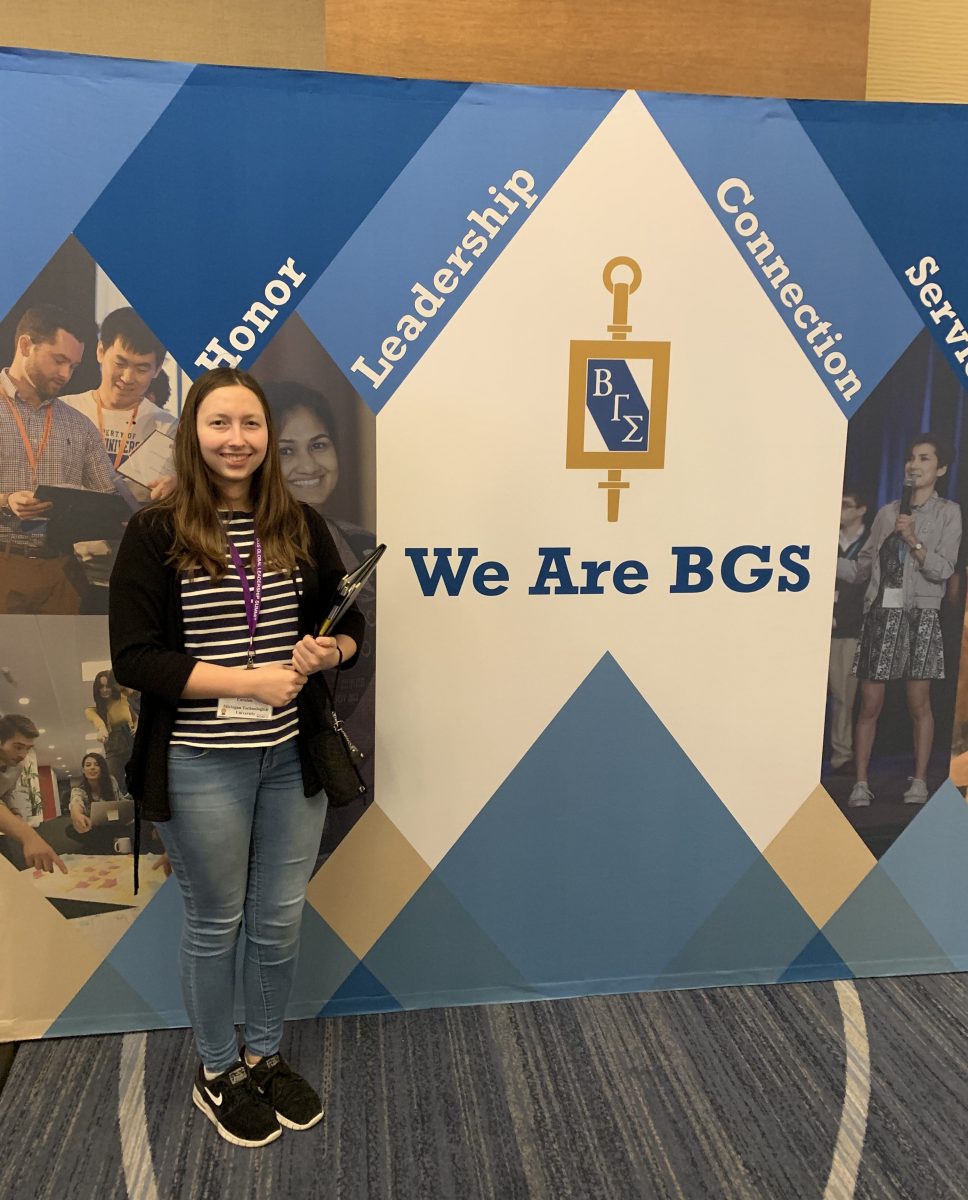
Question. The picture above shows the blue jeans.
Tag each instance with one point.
(242, 841)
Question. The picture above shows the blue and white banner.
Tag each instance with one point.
(658, 404)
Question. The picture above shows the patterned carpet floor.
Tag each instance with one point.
(827, 1091)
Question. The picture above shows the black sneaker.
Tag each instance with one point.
(230, 1102)
(295, 1103)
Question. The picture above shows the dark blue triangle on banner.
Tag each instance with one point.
(246, 170)
(903, 169)
(817, 960)
(69, 123)
(361, 992)
(604, 852)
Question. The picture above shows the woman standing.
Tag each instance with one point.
(215, 598)
(907, 559)
(114, 723)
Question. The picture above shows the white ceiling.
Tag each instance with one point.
(52, 661)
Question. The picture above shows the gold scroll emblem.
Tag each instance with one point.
(618, 394)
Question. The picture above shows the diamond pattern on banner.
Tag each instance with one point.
(577, 866)
(819, 856)
(378, 867)
(876, 932)
(146, 957)
(790, 221)
(107, 992)
(435, 953)
(750, 938)
(921, 159)
(323, 967)
(83, 123)
(361, 993)
(194, 270)
(424, 248)
(817, 960)
(928, 864)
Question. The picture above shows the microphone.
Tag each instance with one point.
(906, 493)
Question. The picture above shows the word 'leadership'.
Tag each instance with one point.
(429, 300)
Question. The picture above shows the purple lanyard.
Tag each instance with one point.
(253, 599)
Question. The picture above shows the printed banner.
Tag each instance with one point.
(657, 402)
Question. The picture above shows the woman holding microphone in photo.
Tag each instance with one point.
(909, 555)
(216, 596)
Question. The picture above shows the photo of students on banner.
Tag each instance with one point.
(87, 418)
(66, 820)
(899, 599)
(327, 450)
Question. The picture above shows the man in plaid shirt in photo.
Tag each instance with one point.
(43, 441)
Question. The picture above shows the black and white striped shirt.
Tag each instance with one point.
(216, 631)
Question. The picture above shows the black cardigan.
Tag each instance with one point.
(148, 647)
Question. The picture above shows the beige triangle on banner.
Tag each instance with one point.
(367, 881)
(819, 856)
(45, 962)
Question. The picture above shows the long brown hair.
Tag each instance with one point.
(199, 541)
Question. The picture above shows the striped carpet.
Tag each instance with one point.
(829, 1090)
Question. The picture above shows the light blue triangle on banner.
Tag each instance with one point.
(301, 157)
(146, 960)
(928, 864)
(902, 168)
(603, 852)
(876, 932)
(754, 164)
(750, 938)
(500, 151)
(106, 997)
(434, 953)
(68, 123)
(147, 956)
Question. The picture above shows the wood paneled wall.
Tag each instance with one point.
(746, 47)
(268, 33)
(884, 49)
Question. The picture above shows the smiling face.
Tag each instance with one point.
(125, 376)
(309, 462)
(91, 769)
(921, 468)
(232, 439)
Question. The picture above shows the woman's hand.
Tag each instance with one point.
(315, 654)
(277, 685)
(80, 821)
(904, 525)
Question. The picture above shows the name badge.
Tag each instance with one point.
(893, 598)
(242, 709)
